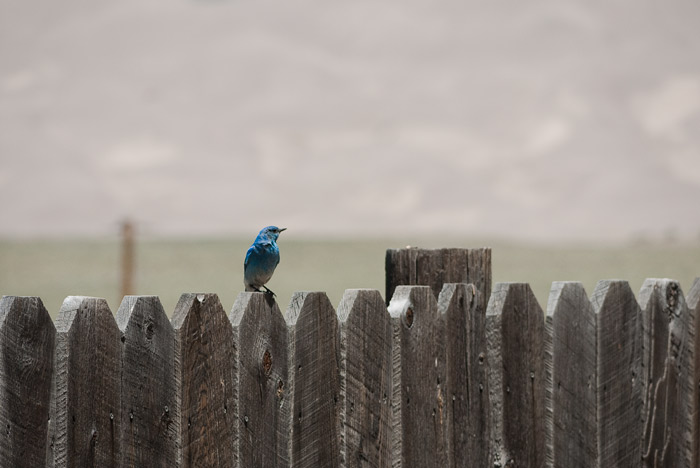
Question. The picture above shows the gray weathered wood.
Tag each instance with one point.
(149, 400)
(570, 359)
(418, 379)
(693, 304)
(466, 378)
(435, 267)
(205, 368)
(260, 360)
(619, 374)
(315, 376)
(365, 379)
(85, 418)
(27, 339)
(668, 375)
(515, 337)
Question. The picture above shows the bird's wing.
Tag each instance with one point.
(256, 247)
(247, 257)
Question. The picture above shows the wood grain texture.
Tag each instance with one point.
(315, 374)
(693, 304)
(571, 361)
(668, 363)
(619, 383)
(204, 363)
(149, 399)
(85, 408)
(261, 361)
(27, 338)
(467, 412)
(435, 267)
(515, 337)
(365, 379)
(418, 379)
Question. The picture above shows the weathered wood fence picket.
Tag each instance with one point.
(452, 373)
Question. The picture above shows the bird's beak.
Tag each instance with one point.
(283, 229)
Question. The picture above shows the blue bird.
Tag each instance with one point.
(262, 259)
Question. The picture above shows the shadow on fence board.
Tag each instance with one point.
(426, 382)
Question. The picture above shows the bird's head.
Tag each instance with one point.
(272, 232)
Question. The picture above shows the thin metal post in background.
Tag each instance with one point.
(127, 280)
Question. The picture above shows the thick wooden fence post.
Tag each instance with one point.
(466, 393)
(619, 380)
(571, 361)
(693, 304)
(315, 373)
(85, 408)
(365, 380)
(260, 360)
(668, 361)
(149, 402)
(435, 267)
(205, 367)
(418, 379)
(27, 339)
(515, 336)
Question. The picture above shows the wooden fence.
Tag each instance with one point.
(472, 377)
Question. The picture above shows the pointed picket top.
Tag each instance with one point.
(29, 306)
(138, 308)
(354, 300)
(149, 396)
(27, 338)
(515, 336)
(86, 401)
(666, 290)
(504, 294)
(463, 314)
(260, 363)
(365, 376)
(610, 295)
(514, 299)
(668, 359)
(562, 291)
(203, 307)
(418, 378)
(252, 301)
(619, 382)
(74, 308)
(204, 338)
(570, 355)
(305, 302)
(315, 374)
(454, 294)
(411, 304)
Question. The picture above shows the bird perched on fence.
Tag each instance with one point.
(262, 259)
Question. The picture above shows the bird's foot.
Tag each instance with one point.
(269, 291)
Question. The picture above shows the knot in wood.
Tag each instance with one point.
(672, 294)
(408, 317)
(267, 362)
(672, 308)
(280, 389)
(150, 330)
